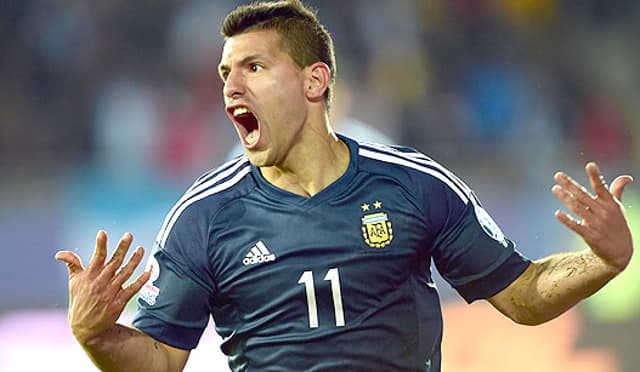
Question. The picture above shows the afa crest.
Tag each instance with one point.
(376, 227)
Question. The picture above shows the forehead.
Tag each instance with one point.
(262, 42)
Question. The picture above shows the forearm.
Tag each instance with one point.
(552, 285)
(123, 348)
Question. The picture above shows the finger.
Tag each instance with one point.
(598, 183)
(133, 288)
(118, 256)
(571, 202)
(127, 270)
(99, 252)
(575, 190)
(572, 223)
(618, 185)
(73, 261)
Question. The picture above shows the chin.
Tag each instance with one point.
(258, 158)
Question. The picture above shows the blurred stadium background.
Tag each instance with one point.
(108, 110)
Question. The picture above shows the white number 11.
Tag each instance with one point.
(334, 277)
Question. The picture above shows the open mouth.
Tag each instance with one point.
(247, 124)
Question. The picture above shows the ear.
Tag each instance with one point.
(317, 81)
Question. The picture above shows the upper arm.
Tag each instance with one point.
(470, 251)
(174, 306)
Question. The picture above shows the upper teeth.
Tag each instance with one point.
(240, 110)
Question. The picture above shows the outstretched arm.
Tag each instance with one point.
(97, 299)
(554, 284)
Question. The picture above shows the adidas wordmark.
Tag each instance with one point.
(258, 254)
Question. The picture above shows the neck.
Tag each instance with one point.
(315, 162)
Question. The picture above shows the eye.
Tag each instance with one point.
(255, 67)
(224, 75)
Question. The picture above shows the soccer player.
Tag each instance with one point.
(313, 251)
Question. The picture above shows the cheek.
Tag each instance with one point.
(284, 102)
(286, 99)
(289, 90)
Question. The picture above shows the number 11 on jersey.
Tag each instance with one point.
(334, 277)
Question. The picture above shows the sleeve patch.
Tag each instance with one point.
(489, 226)
(149, 293)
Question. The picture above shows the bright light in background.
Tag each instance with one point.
(477, 339)
(42, 341)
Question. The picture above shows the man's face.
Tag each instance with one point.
(264, 95)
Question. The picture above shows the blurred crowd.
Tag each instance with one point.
(510, 82)
(108, 109)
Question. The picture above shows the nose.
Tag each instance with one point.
(233, 85)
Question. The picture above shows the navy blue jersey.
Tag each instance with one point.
(337, 281)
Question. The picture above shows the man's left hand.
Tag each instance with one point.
(598, 216)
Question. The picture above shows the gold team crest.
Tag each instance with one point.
(376, 227)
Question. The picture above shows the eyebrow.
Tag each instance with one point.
(226, 68)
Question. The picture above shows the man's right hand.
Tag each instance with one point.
(96, 294)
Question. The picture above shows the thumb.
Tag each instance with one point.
(618, 185)
(74, 264)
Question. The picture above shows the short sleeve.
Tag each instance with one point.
(470, 250)
(174, 305)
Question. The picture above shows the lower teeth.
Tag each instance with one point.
(251, 138)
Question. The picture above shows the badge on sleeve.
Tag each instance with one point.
(149, 293)
(489, 226)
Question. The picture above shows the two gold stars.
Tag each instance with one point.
(377, 205)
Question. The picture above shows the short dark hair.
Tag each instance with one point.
(303, 37)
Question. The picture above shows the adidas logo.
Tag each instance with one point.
(258, 254)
